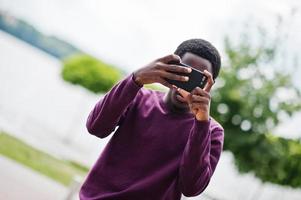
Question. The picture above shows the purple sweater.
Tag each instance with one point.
(154, 154)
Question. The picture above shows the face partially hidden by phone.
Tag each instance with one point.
(196, 62)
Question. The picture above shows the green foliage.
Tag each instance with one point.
(61, 171)
(250, 99)
(90, 73)
(270, 158)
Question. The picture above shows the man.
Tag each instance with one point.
(166, 144)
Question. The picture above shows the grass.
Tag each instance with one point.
(61, 171)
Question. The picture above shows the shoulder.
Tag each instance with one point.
(217, 132)
(147, 95)
(215, 126)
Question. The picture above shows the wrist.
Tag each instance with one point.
(137, 80)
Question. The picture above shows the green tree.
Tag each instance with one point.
(90, 73)
(250, 98)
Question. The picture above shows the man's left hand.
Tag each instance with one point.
(199, 99)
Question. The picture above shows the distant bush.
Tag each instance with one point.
(90, 73)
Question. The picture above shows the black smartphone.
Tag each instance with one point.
(196, 78)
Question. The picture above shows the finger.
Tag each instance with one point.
(194, 110)
(172, 76)
(175, 68)
(210, 81)
(174, 87)
(201, 92)
(184, 93)
(199, 99)
(182, 98)
(165, 83)
(196, 106)
(170, 58)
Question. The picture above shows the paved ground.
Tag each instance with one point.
(18, 182)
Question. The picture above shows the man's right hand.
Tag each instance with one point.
(159, 70)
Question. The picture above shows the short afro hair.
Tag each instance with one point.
(203, 49)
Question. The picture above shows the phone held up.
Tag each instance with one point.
(196, 78)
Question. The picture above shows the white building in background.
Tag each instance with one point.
(38, 107)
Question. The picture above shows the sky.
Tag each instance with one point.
(131, 33)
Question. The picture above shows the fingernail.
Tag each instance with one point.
(189, 70)
(186, 78)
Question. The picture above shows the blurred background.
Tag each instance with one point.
(59, 57)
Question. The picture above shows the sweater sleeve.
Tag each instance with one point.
(107, 113)
(200, 157)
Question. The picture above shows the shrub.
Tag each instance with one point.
(90, 73)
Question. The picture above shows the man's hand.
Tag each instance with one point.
(199, 99)
(159, 70)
